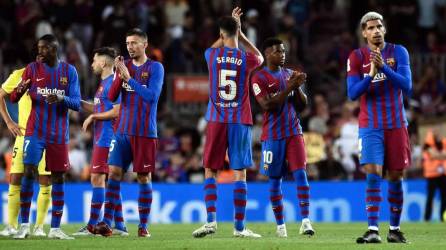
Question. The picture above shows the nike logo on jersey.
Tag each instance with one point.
(366, 65)
(65, 165)
(147, 166)
(39, 79)
(270, 85)
(96, 167)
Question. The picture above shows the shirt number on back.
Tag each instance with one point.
(227, 93)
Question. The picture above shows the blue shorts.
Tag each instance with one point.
(234, 138)
(125, 149)
(33, 148)
(56, 154)
(280, 156)
(389, 148)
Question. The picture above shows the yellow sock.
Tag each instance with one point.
(43, 203)
(13, 204)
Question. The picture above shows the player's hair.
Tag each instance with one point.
(106, 51)
(50, 39)
(137, 32)
(229, 25)
(369, 16)
(271, 41)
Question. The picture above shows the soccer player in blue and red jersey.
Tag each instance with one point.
(229, 119)
(54, 89)
(276, 90)
(139, 80)
(103, 113)
(379, 75)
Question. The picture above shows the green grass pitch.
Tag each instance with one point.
(178, 236)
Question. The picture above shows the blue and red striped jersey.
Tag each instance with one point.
(282, 122)
(229, 71)
(381, 102)
(103, 130)
(139, 98)
(50, 121)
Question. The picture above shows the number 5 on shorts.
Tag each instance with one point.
(112, 145)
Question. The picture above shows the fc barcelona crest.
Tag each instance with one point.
(64, 80)
(390, 61)
(145, 75)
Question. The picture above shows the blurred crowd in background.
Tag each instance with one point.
(318, 34)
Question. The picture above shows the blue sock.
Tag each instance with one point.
(57, 196)
(395, 199)
(119, 217)
(210, 197)
(113, 190)
(26, 196)
(144, 204)
(276, 199)
(373, 200)
(97, 199)
(303, 192)
(240, 190)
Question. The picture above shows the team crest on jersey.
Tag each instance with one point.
(64, 80)
(390, 61)
(145, 75)
(265, 167)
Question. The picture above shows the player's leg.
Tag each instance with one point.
(15, 179)
(44, 197)
(296, 156)
(13, 204)
(397, 159)
(33, 150)
(431, 186)
(120, 228)
(213, 160)
(58, 166)
(240, 158)
(272, 164)
(98, 170)
(119, 160)
(443, 197)
(43, 203)
(144, 154)
(371, 147)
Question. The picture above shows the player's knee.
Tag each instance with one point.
(395, 175)
(44, 180)
(30, 172)
(240, 175)
(115, 173)
(98, 180)
(16, 179)
(57, 177)
(143, 177)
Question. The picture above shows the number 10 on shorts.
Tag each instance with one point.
(267, 157)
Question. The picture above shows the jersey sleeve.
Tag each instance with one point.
(207, 54)
(259, 85)
(252, 61)
(13, 80)
(115, 88)
(73, 100)
(153, 90)
(355, 86)
(402, 77)
(353, 65)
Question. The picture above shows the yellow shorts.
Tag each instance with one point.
(17, 159)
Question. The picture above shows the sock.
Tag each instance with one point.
(26, 195)
(112, 194)
(395, 199)
(97, 199)
(119, 218)
(303, 192)
(43, 203)
(57, 195)
(240, 190)
(13, 204)
(373, 200)
(144, 203)
(276, 199)
(210, 197)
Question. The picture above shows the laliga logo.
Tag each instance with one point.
(46, 91)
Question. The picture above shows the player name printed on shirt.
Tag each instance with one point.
(227, 59)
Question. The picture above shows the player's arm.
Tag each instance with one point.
(87, 106)
(300, 97)
(355, 86)
(73, 99)
(249, 47)
(103, 116)
(402, 78)
(153, 90)
(13, 127)
(116, 86)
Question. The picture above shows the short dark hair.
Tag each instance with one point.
(137, 32)
(50, 38)
(271, 41)
(229, 25)
(106, 51)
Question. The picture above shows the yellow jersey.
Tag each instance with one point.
(25, 102)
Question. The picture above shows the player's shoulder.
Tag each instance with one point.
(259, 74)
(399, 48)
